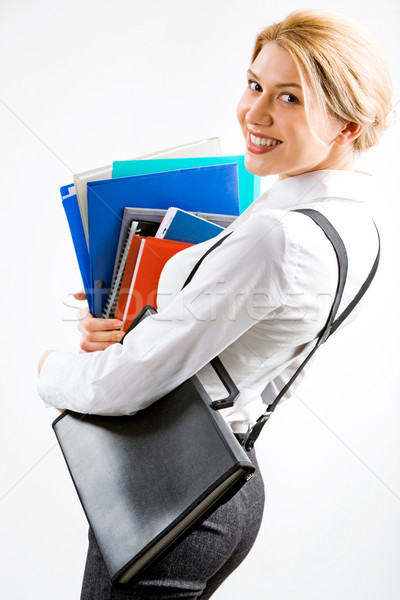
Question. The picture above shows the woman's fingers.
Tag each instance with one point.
(80, 295)
(87, 346)
(98, 334)
(90, 323)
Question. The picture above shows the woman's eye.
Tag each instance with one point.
(253, 85)
(289, 98)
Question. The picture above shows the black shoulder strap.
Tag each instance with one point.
(216, 363)
(197, 265)
(360, 292)
(331, 324)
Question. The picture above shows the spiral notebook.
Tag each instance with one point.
(111, 303)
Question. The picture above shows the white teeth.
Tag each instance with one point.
(263, 142)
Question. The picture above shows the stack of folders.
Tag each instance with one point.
(129, 218)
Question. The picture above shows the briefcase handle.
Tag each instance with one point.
(228, 383)
(216, 364)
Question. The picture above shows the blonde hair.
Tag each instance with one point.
(341, 63)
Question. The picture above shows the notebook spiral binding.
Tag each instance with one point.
(111, 304)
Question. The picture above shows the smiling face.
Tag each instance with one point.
(282, 137)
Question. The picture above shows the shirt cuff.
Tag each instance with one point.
(49, 384)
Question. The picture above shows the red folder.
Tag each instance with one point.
(146, 259)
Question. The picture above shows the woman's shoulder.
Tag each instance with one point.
(265, 234)
(274, 229)
(294, 225)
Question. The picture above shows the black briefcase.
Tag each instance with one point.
(145, 481)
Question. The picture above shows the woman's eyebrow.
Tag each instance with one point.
(250, 72)
(278, 85)
(283, 85)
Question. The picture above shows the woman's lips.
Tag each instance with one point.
(260, 144)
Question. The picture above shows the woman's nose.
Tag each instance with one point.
(259, 112)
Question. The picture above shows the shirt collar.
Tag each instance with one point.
(310, 187)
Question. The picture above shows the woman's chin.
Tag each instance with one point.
(255, 165)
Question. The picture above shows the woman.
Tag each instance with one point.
(317, 93)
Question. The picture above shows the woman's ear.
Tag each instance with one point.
(349, 133)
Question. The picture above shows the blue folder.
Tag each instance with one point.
(72, 212)
(183, 226)
(212, 189)
(249, 184)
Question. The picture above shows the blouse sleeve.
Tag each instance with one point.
(240, 283)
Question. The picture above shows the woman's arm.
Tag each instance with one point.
(240, 283)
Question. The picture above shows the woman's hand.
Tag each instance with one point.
(97, 334)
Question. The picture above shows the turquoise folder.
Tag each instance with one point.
(249, 184)
(210, 189)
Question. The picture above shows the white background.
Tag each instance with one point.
(83, 83)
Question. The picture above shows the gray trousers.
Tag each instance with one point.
(200, 563)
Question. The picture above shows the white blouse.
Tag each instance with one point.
(258, 301)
